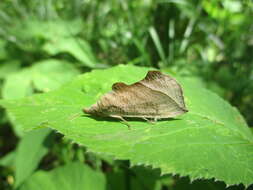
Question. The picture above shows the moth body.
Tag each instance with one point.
(156, 96)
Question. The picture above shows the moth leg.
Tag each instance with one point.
(122, 119)
(149, 121)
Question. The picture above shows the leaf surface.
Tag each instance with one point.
(211, 141)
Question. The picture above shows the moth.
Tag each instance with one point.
(155, 97)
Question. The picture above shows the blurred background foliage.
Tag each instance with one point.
(44, 44)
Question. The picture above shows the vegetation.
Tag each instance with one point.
(45, 139)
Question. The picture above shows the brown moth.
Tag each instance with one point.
(156, 96)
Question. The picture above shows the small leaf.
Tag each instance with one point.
(8, 68)
(69, 177)
(32, 147)
(211, 141)
(8, 160)
(17, 85)
(51, 74)
(77, 47)
(45, 75)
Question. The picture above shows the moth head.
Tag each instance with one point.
(93, 110)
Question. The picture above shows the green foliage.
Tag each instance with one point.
(205, 44)
(68, 177)
(28, 155)
(8, 68)
(43, 76)
(54, 37)
(77, 47)
(212, 137)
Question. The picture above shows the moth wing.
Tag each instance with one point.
(131, 94)
(139, 100)
(120, 86)
(159, 82)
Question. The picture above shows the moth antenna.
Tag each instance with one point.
(74, 116)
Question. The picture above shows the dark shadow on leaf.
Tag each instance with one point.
(128, 119)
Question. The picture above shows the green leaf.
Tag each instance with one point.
(8, 68)
(158, 45)
(77, 47)
(211, 141)
(32, 147)
(47, 30)
(55, 36)
(3, 52)
(69, 177)
(44, 76)
(8, 160)
(51, 74)
(17, 85)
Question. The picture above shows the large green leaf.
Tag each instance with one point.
(54, 36)
(77, 47)
(8, 68)
(50, 74)
(73, 176)
(211, 141)
(32, 147)
(17, 85)
(8, 160)
(44, 76)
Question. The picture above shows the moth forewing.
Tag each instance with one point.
(156, 96)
